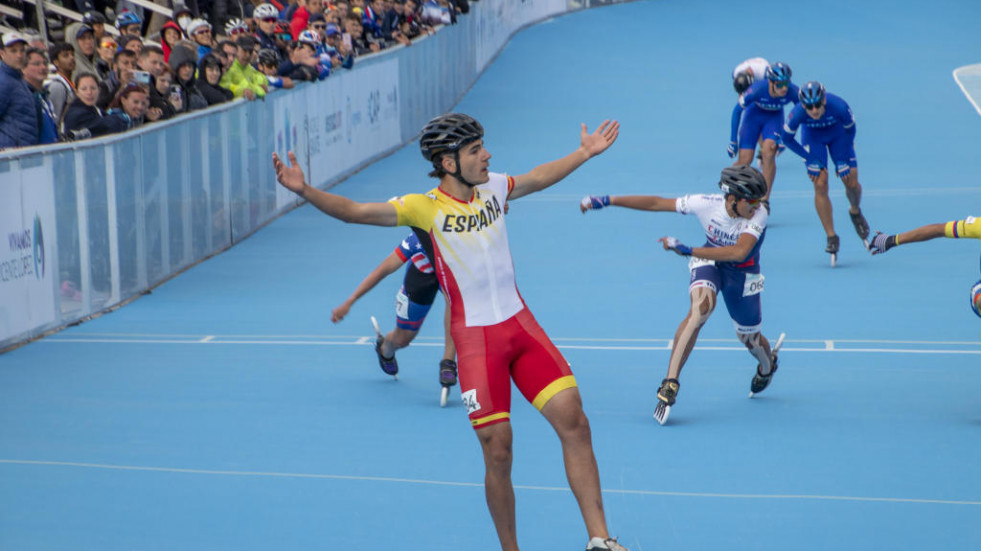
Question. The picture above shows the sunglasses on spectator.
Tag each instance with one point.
(109, 44)
(203, 31)
(268, 20)
(320, 27)
(813, 106)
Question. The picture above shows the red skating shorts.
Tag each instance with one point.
(489, 357)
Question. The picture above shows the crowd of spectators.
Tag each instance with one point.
(95, 82)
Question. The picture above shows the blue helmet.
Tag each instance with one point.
(811, 93)
(127, 18)
(778, 72)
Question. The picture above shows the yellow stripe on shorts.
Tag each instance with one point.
(551, 390)
(489, 418)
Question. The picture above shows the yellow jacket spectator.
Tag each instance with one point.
(242, 78)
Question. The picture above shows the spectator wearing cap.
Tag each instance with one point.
(244, 80)
(35, 72)
(200, 32)
(83, 118)
(209, 81)
(340, 55)
(170, 34)
(266, 17)
(83, 41)
(20, 123)
(129, 22)
(103, 61)
(61, 91)
(309, 38)
(302, 15)
(123, 65)
(97, 21)
(269, 65)
(184, 61)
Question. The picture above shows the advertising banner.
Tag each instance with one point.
(353, 119)
(28, 250)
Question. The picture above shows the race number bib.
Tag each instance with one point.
(753, 285)
(469, 399)
(402, 305)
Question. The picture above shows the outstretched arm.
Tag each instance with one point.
(637, 202)
(730, 253)
(882, 242)
(391, 263)
(291, 177)
(543, 176)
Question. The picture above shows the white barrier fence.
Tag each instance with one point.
(89, 225)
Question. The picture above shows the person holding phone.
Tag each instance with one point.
(164, 96)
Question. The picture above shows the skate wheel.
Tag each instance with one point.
(834, 259)
(444, 396)
(374, 323)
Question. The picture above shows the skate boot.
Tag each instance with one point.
(598, 544)
(760, 382)
(666, 396)
(388, 365)
(861, 227)
(832, 249)
(447, 378)
(447, 373)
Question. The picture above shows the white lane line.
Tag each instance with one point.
(367, 340)
(209, 338)
(965, 70)
(479, 485)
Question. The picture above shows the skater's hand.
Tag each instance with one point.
(731, 150)
(594, 202)
(601, 138)
(813, 170)
(672, 244)
(881, 243)
(291, 177)
(337, 314)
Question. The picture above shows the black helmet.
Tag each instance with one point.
(743, 181)
(268, 56)
(448, 133)
(742, 82)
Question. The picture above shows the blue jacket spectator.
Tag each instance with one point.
(19, 117)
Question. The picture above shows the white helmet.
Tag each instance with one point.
(308, 37)
(196, 25)
(235, 27)
(265, 11)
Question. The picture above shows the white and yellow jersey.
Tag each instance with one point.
(969, 227)
(470, 250)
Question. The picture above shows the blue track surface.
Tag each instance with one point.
(225, 411)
